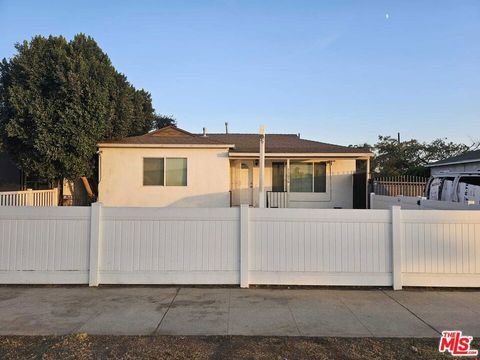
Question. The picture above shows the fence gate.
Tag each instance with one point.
(360, 190)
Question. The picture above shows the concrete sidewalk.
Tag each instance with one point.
(234, 311)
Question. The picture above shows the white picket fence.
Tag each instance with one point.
(103, 245)
(29, 197)
(416, 203)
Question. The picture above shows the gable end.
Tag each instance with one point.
(171, 131)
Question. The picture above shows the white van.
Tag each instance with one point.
(461, 187)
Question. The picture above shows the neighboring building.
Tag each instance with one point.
(172, 167)
(467, 162)
(456, 179)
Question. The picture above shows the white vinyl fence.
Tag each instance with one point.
(103, 245)
(439, 248)
(416, 203)
(320, 247)
(29, 198)
(44, 245)
(169, 246)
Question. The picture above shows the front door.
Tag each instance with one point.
(246, 182)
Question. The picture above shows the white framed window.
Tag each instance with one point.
(308, 176)
(176, 172)
(153, 171)
(165, 171)
(278, 176)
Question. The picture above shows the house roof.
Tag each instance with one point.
(237, 143)
(468, 157)
(280, 143)
(169, 135)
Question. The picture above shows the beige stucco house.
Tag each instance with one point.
(172, 167)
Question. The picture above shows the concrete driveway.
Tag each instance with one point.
(234, 311)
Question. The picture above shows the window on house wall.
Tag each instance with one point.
(301, 177)
(153, 171)
(176, 172)
(308, 177)
(278, 176)
(320, 177)
(165, 171)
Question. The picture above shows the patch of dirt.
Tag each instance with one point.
(83, 346)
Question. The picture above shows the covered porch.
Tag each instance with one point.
(297, 182)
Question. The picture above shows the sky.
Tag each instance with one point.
(334, 71)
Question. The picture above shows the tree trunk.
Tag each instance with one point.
(60, 192)
(88, 189)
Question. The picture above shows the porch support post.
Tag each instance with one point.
(288, 176)
(287, 187)
(367, 183)
(261, 183)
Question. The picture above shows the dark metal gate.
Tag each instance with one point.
(360, 190)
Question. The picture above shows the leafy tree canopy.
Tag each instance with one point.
(392, 158)
(161, 121)
(58, 99)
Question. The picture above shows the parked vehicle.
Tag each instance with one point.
(461, 187)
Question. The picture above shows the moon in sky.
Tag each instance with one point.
(387, 16)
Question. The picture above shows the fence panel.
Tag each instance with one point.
(13, 198)
(29, 198)
(170, 246)
(47, 246)
(320, 247)
(416, 203)
(441, 248)
(399, 185)
(239, 246)
(277, 199)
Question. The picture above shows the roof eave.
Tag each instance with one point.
(303, 155)
(173, 146)
(453, 163)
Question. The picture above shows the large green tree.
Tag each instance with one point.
(58, 99)
(161, 121)
(393, 158)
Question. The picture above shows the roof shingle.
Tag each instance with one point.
(169, 135)
(243, 143)
(469, 156)
(280, 143)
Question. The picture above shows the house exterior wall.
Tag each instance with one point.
(121, 178)
(339, 189)
(74, 193)
(473, 166)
